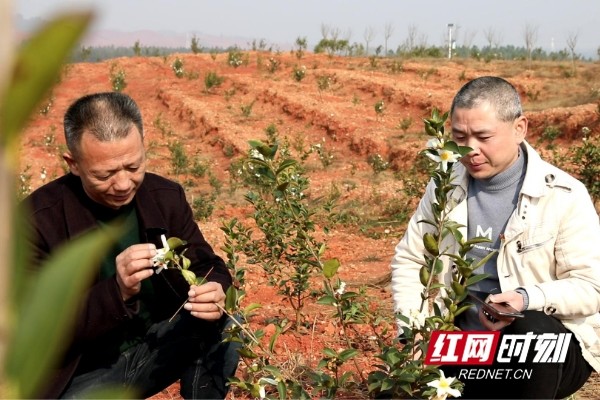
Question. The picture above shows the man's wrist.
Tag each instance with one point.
(523, 293)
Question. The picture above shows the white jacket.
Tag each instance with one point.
(551, 248)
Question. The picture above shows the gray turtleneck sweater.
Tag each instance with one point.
(490, 203)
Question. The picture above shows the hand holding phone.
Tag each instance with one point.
(495, 316)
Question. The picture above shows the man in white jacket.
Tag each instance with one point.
(545, 233)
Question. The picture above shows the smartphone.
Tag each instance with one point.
(497, 310)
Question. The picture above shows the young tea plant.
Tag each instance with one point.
(403, 372)
(292, 260)
(177, 67)
(117, 78)
(586, 159)
(298, 73)
(211, 80)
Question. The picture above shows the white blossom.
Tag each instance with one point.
(340, 290)
(159, 258)
(256, 154)
(416, 319)
(435, 143)
(443, 388)
(444, 157)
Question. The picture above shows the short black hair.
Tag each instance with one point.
(497, 91)
(106, 115)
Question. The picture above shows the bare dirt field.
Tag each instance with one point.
(333, 105)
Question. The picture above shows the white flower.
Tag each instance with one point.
(435, 143)
(416, 319)
(256, 154)
(341, 289)
(443, 388)
(444, 157)
(262, 382)
(159, 258)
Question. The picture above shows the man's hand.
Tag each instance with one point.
(203, 301)
(133, 266)
(511, 297)
(492, 321)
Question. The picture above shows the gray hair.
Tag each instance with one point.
(107, 116)
(499, 93)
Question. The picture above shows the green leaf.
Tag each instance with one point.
(189, 276)
(285, 164)
(476, 278)
(483, 260)
(475, 240)
(36, 69)
(274, 338)
(44, 318)
(347, 354)
(246, 352)
(326, 300)
(231, 299)
(330, 267)
(282, 390)
(251, 307)
(175, 242)
(329, 352)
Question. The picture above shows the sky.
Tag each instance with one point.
(282, 21)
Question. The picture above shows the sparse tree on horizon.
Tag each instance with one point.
(388, 31)
(302, 44)
(195, 45)
(411, 38)
(368, 35)
(530, 35)
(137, 48)
(325, 30)
(571, 44)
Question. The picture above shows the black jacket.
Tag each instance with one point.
(60, 211)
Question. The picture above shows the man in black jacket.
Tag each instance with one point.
(123, 336)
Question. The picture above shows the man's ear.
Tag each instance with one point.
(520, 128)
(68, 157)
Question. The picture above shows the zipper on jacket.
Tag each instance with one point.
(522, 249)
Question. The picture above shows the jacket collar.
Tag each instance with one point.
(534, 185)
(80, 219)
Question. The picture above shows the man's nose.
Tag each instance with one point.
(473, 144)
(121, 181)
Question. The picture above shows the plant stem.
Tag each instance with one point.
(180, 307)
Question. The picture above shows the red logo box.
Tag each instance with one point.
(462, 348)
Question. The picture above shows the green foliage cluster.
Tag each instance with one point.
(177, 67)
(195, 45)
(586, 161)
(211, 80)
(292, 260)
(377, 163)
(301, 44)
(46, 301)
(236, 58)
(299, 72)
(117, 78)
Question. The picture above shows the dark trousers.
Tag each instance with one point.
(547, 380)
(172, 350)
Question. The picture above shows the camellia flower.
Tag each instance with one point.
(417, 319)
(443, 157)
(159, 259)
(435, 143)
(341, 289)
(443, 388)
